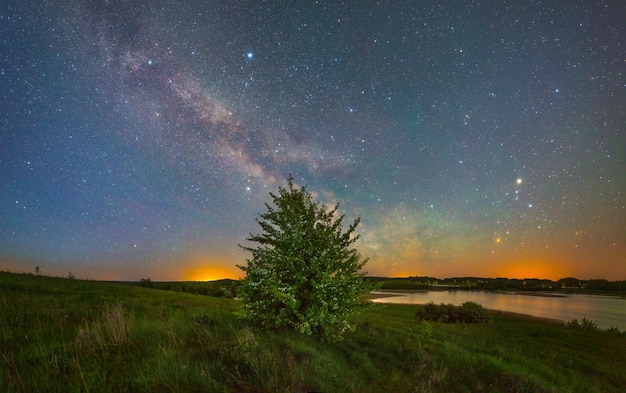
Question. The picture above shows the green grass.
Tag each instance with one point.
(59, 335)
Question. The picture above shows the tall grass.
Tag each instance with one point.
(59, 335)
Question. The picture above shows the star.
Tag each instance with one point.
(188, 120)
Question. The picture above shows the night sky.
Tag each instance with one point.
(142, 139)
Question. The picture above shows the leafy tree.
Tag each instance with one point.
(304, 272)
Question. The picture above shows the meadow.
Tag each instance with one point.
(69, 335)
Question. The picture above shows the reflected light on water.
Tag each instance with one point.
(606, 312)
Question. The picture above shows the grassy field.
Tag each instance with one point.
(60, 335)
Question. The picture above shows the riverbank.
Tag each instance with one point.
(540, 294)
(607, 312)
(400, 292)
(553, 293)
(385, 294)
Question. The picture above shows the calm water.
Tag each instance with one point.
(606, 311)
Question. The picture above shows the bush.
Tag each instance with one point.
(616, 331)
(476, 312)
(146, 283)
(468, 312)
(585, 324)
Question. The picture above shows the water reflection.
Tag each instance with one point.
(605, 311)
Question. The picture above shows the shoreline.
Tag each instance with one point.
(382, 293)
(548, 313)
(379, 295)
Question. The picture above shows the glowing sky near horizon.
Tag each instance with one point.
(141, 139)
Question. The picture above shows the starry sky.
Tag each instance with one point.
(473, 138)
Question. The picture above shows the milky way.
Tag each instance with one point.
(142, 139)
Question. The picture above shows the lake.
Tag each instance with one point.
(605, 311)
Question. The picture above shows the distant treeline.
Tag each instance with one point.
(219, 288)
(228, 288)
(494, 284)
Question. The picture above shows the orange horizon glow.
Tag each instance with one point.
(532, 269)
(512, 269)
(201, 269)
(211, 273)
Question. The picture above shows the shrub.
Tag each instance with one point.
(588, 324)
(476, 313)
(573, 323)
(468, 312)
(616, 331)
(433, 312)
(585, 324)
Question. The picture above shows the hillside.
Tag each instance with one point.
(61, 335)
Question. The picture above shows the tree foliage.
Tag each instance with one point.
(304, 272)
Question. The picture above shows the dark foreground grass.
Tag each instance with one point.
(59, 335)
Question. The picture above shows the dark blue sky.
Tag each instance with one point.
(141, 139)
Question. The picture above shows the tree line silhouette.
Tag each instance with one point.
(493, 284)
